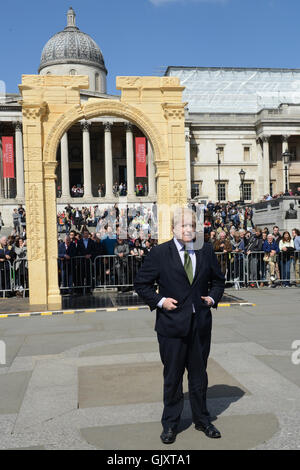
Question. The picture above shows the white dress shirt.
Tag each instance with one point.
(181, 248)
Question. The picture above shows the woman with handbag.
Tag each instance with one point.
(286, 247)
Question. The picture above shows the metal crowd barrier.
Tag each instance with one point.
(19, 273)
(81, 275)
(75, 274)
(260, 268)
(116, 271)
(6, 278)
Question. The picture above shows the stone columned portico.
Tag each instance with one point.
(51, 105)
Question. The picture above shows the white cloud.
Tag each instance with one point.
(162, 2)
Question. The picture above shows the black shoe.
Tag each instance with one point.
(168, 436)
(209, 430)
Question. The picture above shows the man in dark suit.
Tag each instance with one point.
(67, 250)
(185, 276)
(85, 249)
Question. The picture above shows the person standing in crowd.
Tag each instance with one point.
(271, 251)
(16, 220)
(121, 252)
(297, 255)
(21, 266)
(66, 252)
(1, 222)
(255, 258)
(7, 257)
(276, 234)
(286, 247)
(85, 249)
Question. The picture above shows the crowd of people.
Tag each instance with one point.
(102, 246)
(249, 255)
(268, 197)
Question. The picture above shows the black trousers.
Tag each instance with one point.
(177, 354)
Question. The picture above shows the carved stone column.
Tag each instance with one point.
(188, 162)
(266, 163)
(151, 172)
(260, 169)
(19, 162)
(87, 174)
(53, 294)
(35, 203)
(65, 181)
(281, 176)
(108, 160)
(130, 160)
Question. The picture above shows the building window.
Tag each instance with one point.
(246, 154)
(195, 190)
(72, 72)
(97, 82)
(221, 192)
(247, 191)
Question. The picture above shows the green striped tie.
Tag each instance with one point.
(188, 266)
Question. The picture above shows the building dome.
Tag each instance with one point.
(72, 52)
(71, 46)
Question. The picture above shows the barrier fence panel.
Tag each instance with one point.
(6, 277)
(81, 275)
(233, 267)
(75, 274)
(266, 269)
(20, 276)
(116, 271)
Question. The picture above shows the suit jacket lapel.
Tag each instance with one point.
(199, 261)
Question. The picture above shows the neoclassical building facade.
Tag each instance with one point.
(244, 118)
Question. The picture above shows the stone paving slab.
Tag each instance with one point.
(12, 390)
(238, 433)
(112, 385)
(56, 362)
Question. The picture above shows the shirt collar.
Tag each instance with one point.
(181, 247)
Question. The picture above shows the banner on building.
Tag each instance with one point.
(140, 154)
(8, 157)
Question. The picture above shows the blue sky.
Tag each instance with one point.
(140, 37)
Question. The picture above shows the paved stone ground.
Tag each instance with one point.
(94, 380)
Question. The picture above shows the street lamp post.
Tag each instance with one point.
(286, 156)
(242, 174)
(219, 150)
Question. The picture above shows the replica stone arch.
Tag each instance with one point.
(51, 105)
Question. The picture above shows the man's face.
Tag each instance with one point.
(85, 234)
(275, 231)
(185, 229)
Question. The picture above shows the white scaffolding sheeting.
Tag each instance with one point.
(237, 90)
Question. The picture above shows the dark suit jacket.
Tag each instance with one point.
(163, 265)
(70, 251)
(82, 251)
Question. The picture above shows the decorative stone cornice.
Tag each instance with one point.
(33, 112)
(49, 170)
(174, 111)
